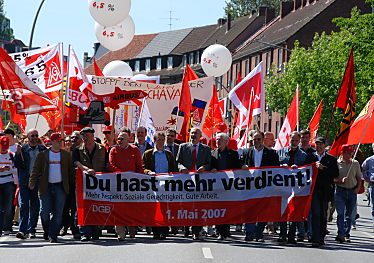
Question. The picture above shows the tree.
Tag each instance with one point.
(238, 8)
(6, 33)
(319, 70)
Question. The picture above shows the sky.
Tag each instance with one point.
(70, 22)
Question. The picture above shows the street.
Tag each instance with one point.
(179, 249)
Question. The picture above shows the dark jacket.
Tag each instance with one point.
(22, 163)
(269, 157)
(324, 186)
(40, 171)
(232, 161)
(149, 161)
(99, 160)
(184, 156)
(175, 149)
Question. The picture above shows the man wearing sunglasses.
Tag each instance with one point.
(28, 198)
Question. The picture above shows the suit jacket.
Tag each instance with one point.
(149, 161)
(324, 186)
(147, 146)
(40, 171)
(184, 156)
(22, 163)
(175, 149)
(269, 157)
(232, 161)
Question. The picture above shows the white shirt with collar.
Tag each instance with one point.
(257, 155)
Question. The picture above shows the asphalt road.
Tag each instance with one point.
(178, 249)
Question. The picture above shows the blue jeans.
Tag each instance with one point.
(6, 201)
(255, 231)
(345, 200)
(28, 209)
(52, 202)
(371, 192)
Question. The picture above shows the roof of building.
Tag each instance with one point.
(164, 43)
(224, 37)
(126, 53)
(284, 28)
(194, 40)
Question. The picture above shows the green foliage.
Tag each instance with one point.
(238, 8)
(319, 70)
(7, 32)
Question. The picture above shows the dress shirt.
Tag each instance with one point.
(161, 162)
(257, 155)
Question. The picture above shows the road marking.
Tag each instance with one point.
(367, 234)
(207, 253)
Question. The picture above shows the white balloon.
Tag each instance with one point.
(116, 37)
(216, 60)
(117, 68)
(139, 77)
(41, 123)
(109, 12)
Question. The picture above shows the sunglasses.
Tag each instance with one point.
(120, 139)
(67, 140)
(34, 135)
(257, 139)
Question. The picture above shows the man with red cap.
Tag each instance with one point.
(53, 170)
(7, 183)
(346, 191)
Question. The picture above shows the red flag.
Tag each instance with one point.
(213, 116)
(347, 89)
(289, 123)
(16, 118)
(1, 123)
(362, 129)
(27, 97)
(314, 122)
(98, 71)
(248, 98)
(347, 95)
(185, 102)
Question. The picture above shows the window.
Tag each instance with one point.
(158, 63)
(170, 62)
(197, 57)
(280, 59)
(184, 60)
(265, 127)
(268, 62)
(228, 84)
(191, 59)
(137, 66)
(246, 67)
(257, 60)
(147, 64)
(276, 129)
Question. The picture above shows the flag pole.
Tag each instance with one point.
(62, 88)
(298, 105)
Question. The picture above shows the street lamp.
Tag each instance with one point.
(34, 23)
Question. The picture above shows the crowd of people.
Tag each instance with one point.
(37, 177)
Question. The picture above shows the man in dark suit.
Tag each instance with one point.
(170, 141)
(142, 145)
(224, 158)
(258, 156)
(155, 161)
(323, 191)
(194, 157)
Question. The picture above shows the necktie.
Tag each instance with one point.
(194, 158)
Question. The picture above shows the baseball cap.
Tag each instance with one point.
(321, 140)
(107, 129)
(347, 148)
(87, 129)
(4, 142)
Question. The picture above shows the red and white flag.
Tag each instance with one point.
(77, 82)
(28, 98)
(289, 124)
(249, 98)
(314, 122)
